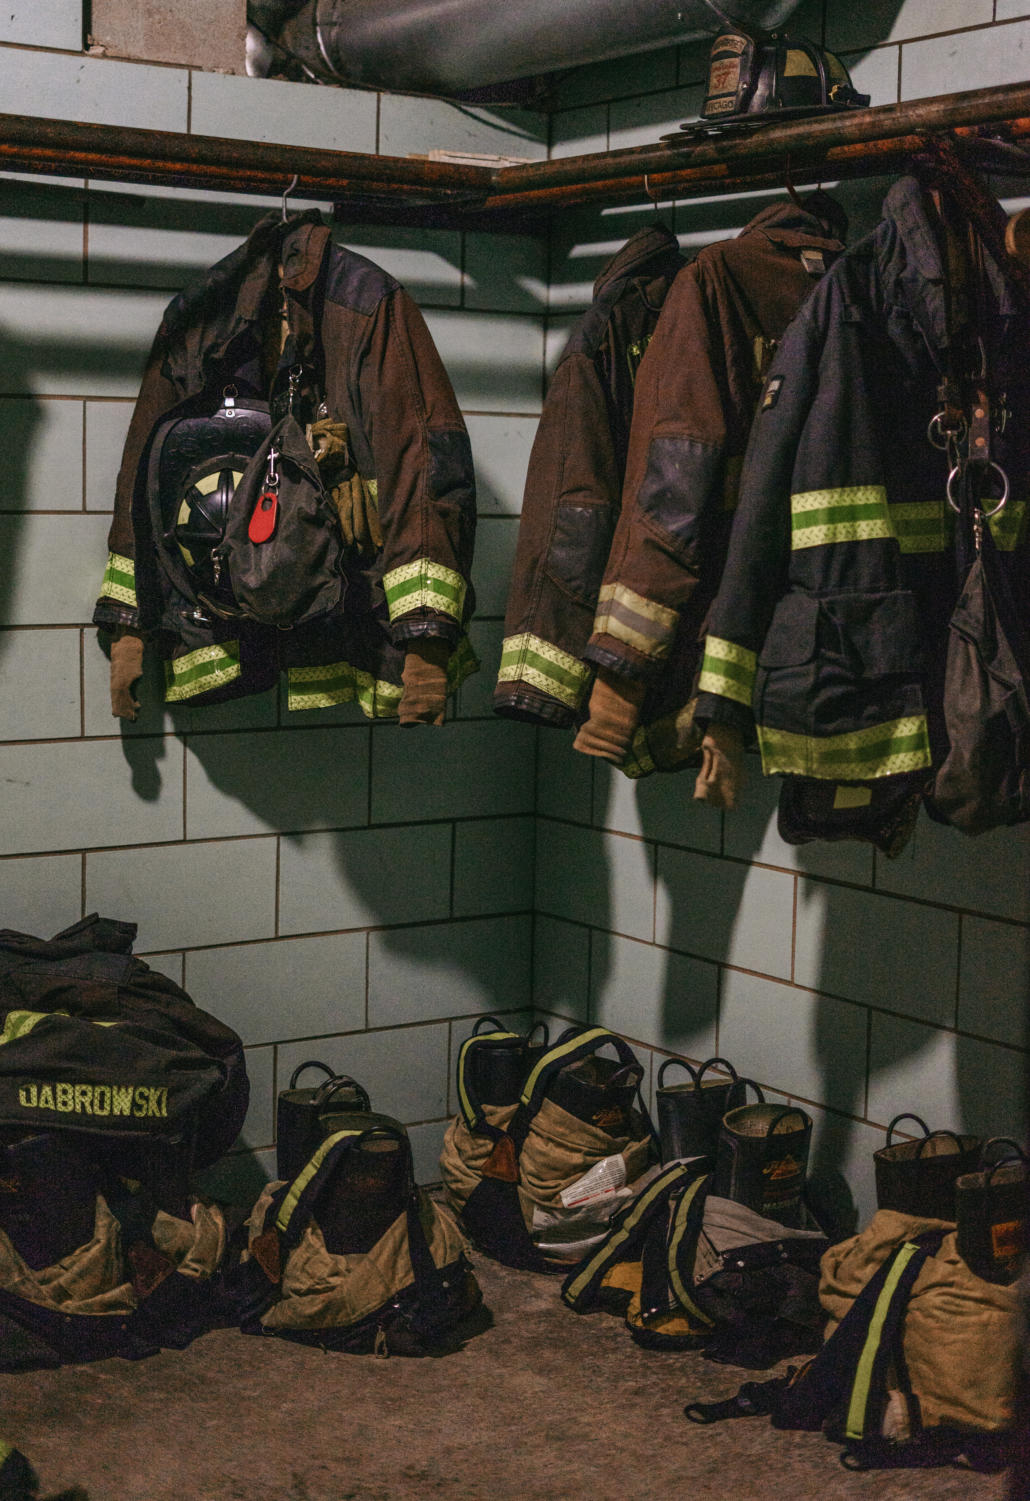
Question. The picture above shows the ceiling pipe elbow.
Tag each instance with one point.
(448, 46)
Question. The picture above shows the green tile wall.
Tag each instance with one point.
(328, 888)
(363, 894)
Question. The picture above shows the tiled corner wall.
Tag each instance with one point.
(857, 985)
(331, 889)
(356, 893)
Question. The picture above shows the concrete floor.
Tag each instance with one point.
(544, 1405)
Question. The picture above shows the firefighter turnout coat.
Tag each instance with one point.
(574, 485)
(696, 394)
(364, 347)
(830, 628)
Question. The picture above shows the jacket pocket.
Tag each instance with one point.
(578, 552)
(840, 664)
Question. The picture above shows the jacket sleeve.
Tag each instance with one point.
(787, 440)
(676, 471)
(117, 603)
(569, 508)
(425, 484)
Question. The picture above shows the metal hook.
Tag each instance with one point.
(647, 190)
(289, 190)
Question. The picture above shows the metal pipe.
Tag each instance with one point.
(417, 191)
(832, 136)
(451, 45)
(125, 154)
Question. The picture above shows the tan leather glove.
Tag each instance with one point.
(613, 714)
(358, 513)
(425, 682)
(352, 494)
(721, 778)
(126, 668)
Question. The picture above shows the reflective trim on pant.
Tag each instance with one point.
(424, 585)
(855, 513)
(641, 623)
(119, 581)
(200, 671)
(855, 1426)
(306, 1174)
(544, 666)
(881, 750)
(728, 670)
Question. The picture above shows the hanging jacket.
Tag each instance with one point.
(574, 485)
(696, 395)
(365, 351)
(830, 627)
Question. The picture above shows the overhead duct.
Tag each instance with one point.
(450, 46)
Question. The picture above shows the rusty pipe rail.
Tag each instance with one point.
(117, 153)
(860, 143)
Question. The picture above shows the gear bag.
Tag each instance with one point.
(349, 1257)
(512, 1168)
(984, 781)
(142, 1280)
(92, 1041)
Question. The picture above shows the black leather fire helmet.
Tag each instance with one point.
(755, 75)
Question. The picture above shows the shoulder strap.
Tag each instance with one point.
(468, 1100)
(626, 1233)
(567, 1050)
(297, 1204)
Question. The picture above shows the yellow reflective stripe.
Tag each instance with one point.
(854, 513)
(638, 761)
(334, 683)
(855, 1425)
(727, 670)
(530, 659)
(119, 581)
(679, 1230)
(424, 585)
(21, 1023)
(559, 1051)
(881, 750)
(199, 671)
(306, 1174)
(467, 1109)
(642, 623)
(922, 525)
(1008, 527)
(614, 1243)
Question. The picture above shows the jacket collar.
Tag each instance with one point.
(202, 324)
(918, 268)
(787, 223)
(655, 243)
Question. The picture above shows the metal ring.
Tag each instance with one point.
(1004, 490)
(945, 434)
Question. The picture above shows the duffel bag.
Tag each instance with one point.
(94, 1041)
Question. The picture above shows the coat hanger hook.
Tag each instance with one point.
(647, 190)
(289, 190)
(789, 184)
